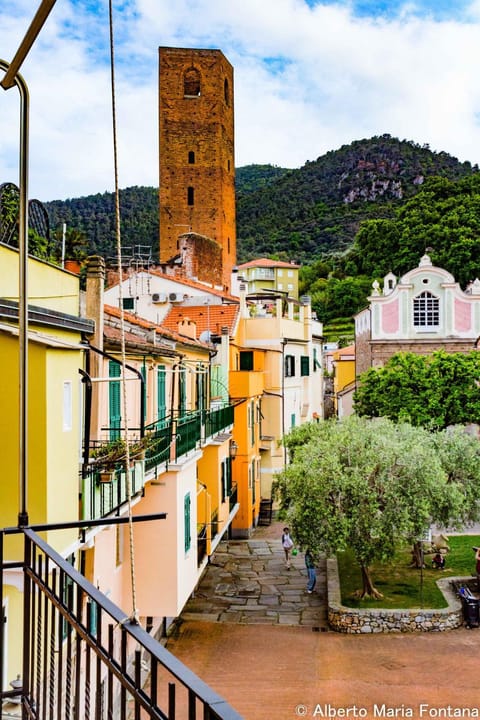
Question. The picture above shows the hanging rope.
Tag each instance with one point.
(134, 615)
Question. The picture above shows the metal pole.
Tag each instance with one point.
(22, 292)
(36, 25)
(64, 229)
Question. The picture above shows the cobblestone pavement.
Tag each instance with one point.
(247, 582)
(251, 633)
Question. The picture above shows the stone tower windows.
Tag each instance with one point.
(196, 157)
(191, 83)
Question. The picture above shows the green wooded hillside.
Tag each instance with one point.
(301, 214)
(348, 217)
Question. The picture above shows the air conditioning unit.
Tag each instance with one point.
(159, 298)
(175, 297)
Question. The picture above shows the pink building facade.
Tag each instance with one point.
(423, 311)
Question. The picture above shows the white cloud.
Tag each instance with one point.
(307, 80)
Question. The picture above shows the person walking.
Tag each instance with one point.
(312, 576)
(287, 544)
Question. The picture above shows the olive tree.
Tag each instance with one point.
(364, 484)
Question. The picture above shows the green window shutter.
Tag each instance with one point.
(201, 382)
(289, 365)
(246, 360)
(316, 364)
(228, 476)
(114, 406)
(304, 365)
(143, 370)
(223, 481)
(252, 423)
(186, 515)
(161, 393)
(182, 392)
(292, 420)
(253, 482)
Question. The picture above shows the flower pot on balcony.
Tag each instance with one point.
(106, 476)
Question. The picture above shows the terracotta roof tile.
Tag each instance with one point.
(169, 334)
(266, 262)
(212, 317)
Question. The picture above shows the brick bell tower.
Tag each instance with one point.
(197, 170)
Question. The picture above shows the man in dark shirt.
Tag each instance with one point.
(310, 565)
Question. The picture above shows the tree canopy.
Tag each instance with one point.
(444, 216)
(365, 484)
(434, 391)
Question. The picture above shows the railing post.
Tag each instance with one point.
(2, 617)
(27, 589)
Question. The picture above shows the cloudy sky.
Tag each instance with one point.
(310, 76)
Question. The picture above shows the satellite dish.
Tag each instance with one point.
(205, 336)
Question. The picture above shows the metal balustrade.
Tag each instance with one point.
(103, 493)
(216, 420)
(85, 658)
(165, 440)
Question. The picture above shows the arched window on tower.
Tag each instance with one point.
(426, 311)
(191, 83)
(191, 158)
(190, 196)
(226, 91)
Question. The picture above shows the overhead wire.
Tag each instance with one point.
(134, 615)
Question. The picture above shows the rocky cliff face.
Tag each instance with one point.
(372, 180)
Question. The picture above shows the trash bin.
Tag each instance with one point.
(470, 607)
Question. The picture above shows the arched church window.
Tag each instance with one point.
(191, 83)
(426, 311)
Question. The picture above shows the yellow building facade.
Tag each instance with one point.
(55, 355)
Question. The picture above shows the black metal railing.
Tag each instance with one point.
(214, 524)
(104, 492)
(233, 498)
(201, 543)
(85, 658)
(188, 434)
(158, 450)
(218, 419)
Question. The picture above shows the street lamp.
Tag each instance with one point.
(233, 449)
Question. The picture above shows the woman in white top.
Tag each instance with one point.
(287, 544)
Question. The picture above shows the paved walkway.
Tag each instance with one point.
(237, 635)
(247, 582)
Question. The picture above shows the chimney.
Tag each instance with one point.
(95, 296)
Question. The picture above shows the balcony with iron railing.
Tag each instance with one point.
(103, 477)
(83, 657)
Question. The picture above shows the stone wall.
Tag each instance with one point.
(201, 258)
(354, 621)
(382, 351)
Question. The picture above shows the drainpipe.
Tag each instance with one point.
(87, 380)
